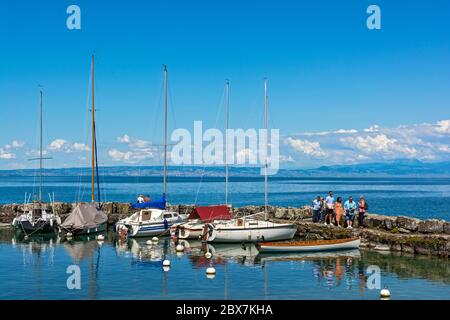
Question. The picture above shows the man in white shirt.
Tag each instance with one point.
(329, 203)
(317, 206)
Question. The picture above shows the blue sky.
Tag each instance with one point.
(326, 71)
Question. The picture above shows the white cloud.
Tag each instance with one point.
(374, 128)
(124, 139)
(64, 145)
(311, 148)
(379, 144)
(80, 147)
(443, 126)
(6, 155)
(117, 155)
(57, 144)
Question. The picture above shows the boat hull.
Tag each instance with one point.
(246, 234)
(87, 231)
(324, 245)
(38, 227)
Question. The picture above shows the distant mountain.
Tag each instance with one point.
(396, 167)
(391, 168)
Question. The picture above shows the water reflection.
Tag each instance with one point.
(268, 276)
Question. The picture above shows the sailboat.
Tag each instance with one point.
(88, 218)
(38, 217)
(194, 228)
(152, 221)
(248, 229)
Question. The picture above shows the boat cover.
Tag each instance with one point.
(85, 215)
(210, 213)
(154, 204)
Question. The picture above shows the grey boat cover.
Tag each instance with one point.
(85, 215)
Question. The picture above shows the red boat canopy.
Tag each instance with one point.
(210, 213)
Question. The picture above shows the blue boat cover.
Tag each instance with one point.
(154, 204)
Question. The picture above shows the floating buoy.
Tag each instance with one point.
(25, 237)
(179, 248)
(385, 293)
(166, 263)
(210, 270)
(100, 237)
(149, 242)
(208, 255)
(68, 234)
(155, 240)
(166, 268)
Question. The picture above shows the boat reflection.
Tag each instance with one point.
(138, 250)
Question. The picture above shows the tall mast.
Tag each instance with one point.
(93, 135)
(226, 140)
(266, 146)
(41, 182)
(165, 130)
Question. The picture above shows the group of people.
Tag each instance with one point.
(142, 199)
(331, 211)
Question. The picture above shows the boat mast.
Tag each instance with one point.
(165, 130)
(266, 151)
(41, 176)
(226, 140)
(93, 136)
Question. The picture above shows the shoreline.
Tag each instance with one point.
(380, 232)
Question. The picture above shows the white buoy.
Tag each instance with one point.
(208, 255)
(210, 270)
(149, 242)
(166, 263)
(210, 276)
(155, 240)
(69, 234)
(385, 293)
(166, 268)
(179, 248)
(100, 237)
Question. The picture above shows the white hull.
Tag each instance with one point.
(354, 244)
(148, 223)
(252, 231)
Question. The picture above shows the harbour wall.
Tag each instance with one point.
(380, 232)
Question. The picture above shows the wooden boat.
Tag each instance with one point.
(309, 246)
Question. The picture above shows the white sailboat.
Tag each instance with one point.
(38, 216)
(195, 226)
(152, 221)
(248, 229)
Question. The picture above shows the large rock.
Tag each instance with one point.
(447, 227)
(374, 221)
(407, 223)
(431, 226)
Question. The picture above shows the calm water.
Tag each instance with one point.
(36, 269)
(418, 197)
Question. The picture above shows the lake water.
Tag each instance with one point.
(36, 269)
(418, 197)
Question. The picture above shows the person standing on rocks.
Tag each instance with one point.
(362, 207)
(329, 210)
(339, 211)
(317, 204)
(350, 207)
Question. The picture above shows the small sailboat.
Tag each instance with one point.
(248, 229)
(309, 246)
(38, 217)
(152, 221)
(88, 218)
(194, 227)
